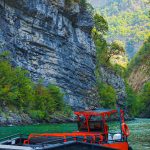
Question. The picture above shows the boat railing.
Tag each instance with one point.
(58, 142)
(10, 137)
(61, 138)
(75, 135)
(86, 137)
(13, 139)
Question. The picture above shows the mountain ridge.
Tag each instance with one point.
(128, 21)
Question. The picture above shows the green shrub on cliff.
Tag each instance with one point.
(98, 32)
(107, 96)
(144, 100)
(57, 96)
(139, 103)
(48, 99)
(17, 89)
(131, 99)
(37, 114)
(119, 70)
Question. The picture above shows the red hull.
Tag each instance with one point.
(119, 145)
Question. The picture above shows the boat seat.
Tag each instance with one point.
(117, 137)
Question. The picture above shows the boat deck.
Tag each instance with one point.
(72, 145)
(12, 143)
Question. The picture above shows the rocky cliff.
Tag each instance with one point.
(111, 78)
(51, 39)
(138, 77)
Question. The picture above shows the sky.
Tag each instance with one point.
(97, 3)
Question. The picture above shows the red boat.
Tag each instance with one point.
(93, 130)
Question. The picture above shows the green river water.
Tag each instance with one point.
(139, 138)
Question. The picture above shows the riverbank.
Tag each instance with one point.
(24, 119)
(10, 117)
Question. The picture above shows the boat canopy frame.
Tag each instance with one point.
(103, 113)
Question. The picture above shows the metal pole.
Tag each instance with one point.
(119, 115)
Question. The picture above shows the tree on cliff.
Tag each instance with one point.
(105, 51)
(100, 29)
(98, 32)
(106, 92)
(115, 48)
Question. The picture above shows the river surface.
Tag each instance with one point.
(139, 138)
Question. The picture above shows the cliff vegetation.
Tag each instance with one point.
(18, 92)
(135, 73)
(138, 78)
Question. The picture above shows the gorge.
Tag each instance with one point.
(52, 40)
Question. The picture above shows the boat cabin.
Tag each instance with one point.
(93, 120)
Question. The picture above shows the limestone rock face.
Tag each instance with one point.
(108, 76)
(8, 117)
(52, 40)
(139, 76)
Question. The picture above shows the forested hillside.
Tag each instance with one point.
(127, 19)
(139, 67)
(138, 77)
(126, 22)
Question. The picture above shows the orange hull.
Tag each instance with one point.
(119, 145)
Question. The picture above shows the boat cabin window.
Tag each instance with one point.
(95, 124)
(82, 125)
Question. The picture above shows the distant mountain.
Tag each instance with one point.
(128, 21)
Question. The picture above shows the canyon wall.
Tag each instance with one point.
(52, 40)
